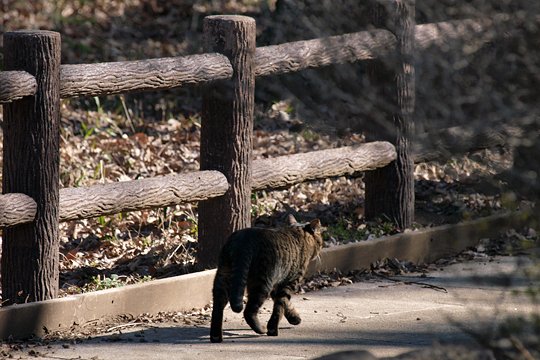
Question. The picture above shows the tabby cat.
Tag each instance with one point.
(269, 262)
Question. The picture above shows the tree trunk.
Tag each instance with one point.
(226, 134)
(390, 190)
(30, 252)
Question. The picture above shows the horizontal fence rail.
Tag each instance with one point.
(16, 209)
(160, 191)
(293, 169)
(463, 30)
(15, 85)
(105, 199)
(165, 73)
(299, 55)
(152, 74)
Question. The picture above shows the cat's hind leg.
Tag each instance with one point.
(220, 295)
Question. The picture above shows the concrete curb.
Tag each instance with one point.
(178, 293)
(182, 293)
(421, 246)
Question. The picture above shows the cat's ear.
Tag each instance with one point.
(315, 225)
(292, 219)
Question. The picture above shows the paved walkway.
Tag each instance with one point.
(384, 317)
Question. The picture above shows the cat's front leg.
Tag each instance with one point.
(291, 314)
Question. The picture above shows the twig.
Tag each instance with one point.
(425, 285)
(521, 348)
(90, 322)
(117, 327)
(169, 257)
(126, 111)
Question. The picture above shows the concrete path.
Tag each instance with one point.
(384, 317)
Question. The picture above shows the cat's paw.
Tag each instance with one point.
(256, 326)
(260, 330)
(272, 332)
(253, 321)
(216, 339)
(293, 319)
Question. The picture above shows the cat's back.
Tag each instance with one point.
(253, 237)
(249, 240)
(263, 243)
(285, 249)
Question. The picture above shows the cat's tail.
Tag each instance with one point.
(241, 265)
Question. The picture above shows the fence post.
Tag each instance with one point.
(226, 134)
(390, 190)
(30, 252)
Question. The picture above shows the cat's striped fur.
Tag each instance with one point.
(268, 262)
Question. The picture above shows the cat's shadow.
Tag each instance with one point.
(243, 333)
(178, 335)
(187, 335)
(232, 335)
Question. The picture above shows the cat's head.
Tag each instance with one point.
(313, 231)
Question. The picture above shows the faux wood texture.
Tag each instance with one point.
(15, 85)
(97, 200)
(16, 209)
(442, 144)
(153, 74)
(365, 45)
(30, 252)
(227, 132)
(292, 169)
(159, 191)
(404, 119)
(295, 56)
(390, 190)
(464, 30)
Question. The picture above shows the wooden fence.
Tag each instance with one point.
(34, 81)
